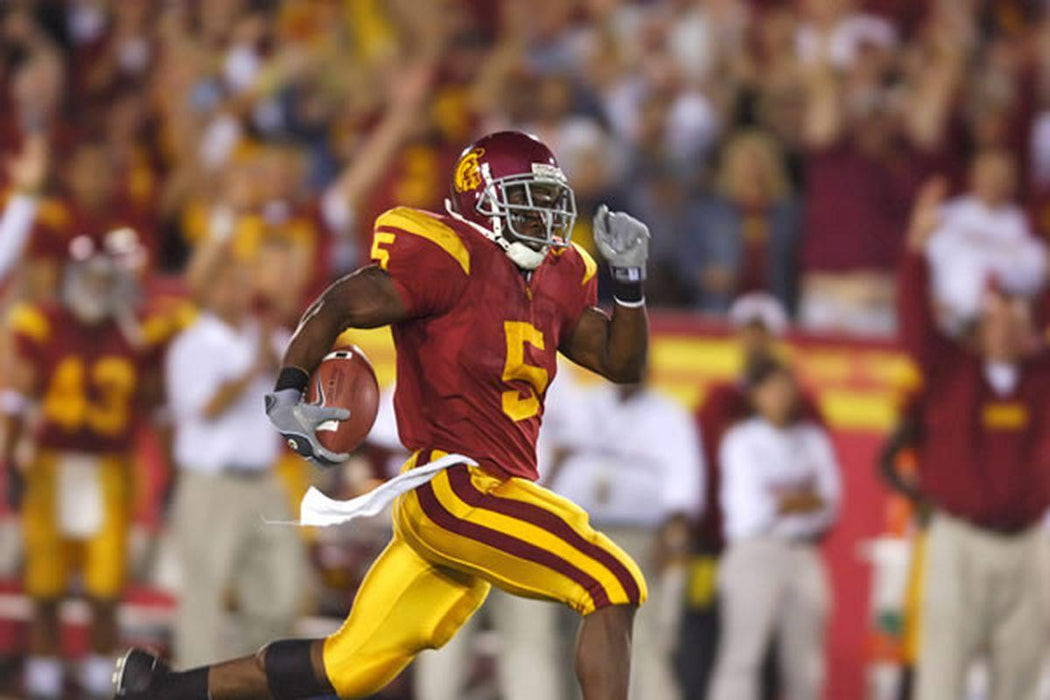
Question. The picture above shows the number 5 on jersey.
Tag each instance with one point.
(516, 405)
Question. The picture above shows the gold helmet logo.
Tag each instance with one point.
(468, 171)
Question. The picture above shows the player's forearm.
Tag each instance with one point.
(366, 298)
(627, 344)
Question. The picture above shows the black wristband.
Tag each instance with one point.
(292, 378)
(629, 293)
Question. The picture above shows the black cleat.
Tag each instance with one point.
(136, 673)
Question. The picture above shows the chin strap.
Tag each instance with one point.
(520, 254)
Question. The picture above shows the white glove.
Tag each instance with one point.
(624, 242)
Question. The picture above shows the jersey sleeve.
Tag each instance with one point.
(427, 260)
(583, 287)
(30, 330)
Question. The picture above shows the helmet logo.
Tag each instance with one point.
(468, 171)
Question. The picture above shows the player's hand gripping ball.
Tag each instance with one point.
(345, 379)
(337, 412)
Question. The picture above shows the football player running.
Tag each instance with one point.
(480, 299)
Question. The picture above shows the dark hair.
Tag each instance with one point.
(763, 369)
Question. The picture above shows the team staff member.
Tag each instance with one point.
(481, 299)
(984, 466)
(759, 322)
(780, 494)
(217, 374)
(633, 461)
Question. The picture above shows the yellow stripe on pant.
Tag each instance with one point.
(452, 538)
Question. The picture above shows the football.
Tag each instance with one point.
(345, 379)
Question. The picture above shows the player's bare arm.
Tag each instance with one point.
(366, 298)
(616, 347)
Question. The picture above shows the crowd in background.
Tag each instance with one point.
(236, 152)
(769, 145)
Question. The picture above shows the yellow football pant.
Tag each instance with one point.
(453, 538)
(51, 556)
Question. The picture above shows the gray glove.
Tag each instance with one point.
(297, 422)
(624, 242)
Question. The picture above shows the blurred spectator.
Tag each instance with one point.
(748, 230)
(33, 38)
(83, 362)
(984, 239)
(780, 493)
(982, 453)
(632, 460)
(759, 321)
(240, 116)
(663, 202)
(871, 131)
(835, 30)
(26, 173)
(218, 371)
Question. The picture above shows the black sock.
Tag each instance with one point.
(181, 685)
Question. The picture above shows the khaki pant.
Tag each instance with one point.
(222, 543)
(770, 587)
(983, 593)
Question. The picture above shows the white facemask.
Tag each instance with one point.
(520, 254)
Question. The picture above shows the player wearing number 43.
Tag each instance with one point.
(481, 298)
(85, 362)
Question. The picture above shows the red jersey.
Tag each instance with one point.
(476, 357)
(983, 456)
(88, 376)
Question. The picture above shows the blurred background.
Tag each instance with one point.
(226, 158)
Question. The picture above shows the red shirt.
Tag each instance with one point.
(856, 208)
(89, 378)
(982, 456)
(479, 351)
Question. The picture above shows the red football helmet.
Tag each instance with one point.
(509, 183)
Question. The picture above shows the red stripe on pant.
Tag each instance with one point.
(545, 519)
(433, 509)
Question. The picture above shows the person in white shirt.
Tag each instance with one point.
(780, 494)
(631, 457)
(984, 237)
(217, 374)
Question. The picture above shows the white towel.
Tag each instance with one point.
(319, 510)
